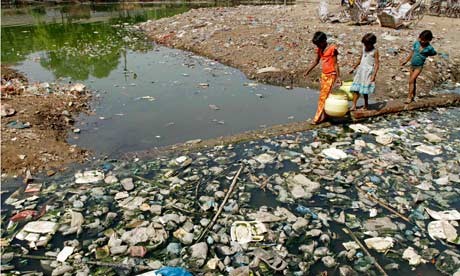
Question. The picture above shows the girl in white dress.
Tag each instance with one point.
(368, 65)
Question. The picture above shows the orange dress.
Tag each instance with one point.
(328, 77)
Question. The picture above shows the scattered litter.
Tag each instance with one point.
(334, 153)
(89, 177)
(384, 139)
(431, 150)
(247, 231)
(443, 230)
(41, 227)
(444, 215)
(78, 87)
(379, 244)
(268, 70)
(148, 98)
(65, 253)
(411, 255)
(17, 125)
(33, 188)
(359, 128)
(214, 107)
(7, 110)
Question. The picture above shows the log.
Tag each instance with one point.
(395, 106)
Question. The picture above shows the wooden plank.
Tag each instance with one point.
(395, 106)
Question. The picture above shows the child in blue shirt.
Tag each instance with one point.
(420, 51)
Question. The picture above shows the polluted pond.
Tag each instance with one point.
(376, 198)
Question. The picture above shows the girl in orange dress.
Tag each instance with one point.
(327, 54)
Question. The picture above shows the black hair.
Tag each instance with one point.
(426, 35)
(369, 39)
(319, 37)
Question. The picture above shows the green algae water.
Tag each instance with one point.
(145, 96)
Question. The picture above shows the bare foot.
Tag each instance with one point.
(353, 108)
(408, 101)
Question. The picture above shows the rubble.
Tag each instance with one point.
(275, 205)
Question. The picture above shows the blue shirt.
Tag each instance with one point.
(419, 57)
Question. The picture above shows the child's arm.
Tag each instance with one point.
(313, 65)
(357, 64)
(407, 59)
(376, 65)
(336, 66)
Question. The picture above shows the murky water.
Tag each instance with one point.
(147, 96)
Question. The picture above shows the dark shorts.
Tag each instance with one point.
(414, 67)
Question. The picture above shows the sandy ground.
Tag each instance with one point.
(42, 146)
(251, 38)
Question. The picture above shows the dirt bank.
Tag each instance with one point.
(35, 120)
(251, 38)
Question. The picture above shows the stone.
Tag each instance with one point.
(155, 233)
(240, 271)
(411, 255)
(225, 250)
(118, 250)
(110, 179)
(300, 224)
(301, 187)
(61, 270)
(156, 209)
(198, 254)
(433, 138)
(173, 248)
(379, 244)
(127, 184)
(183, 236)
(380, 224)
(346, 270)
(328, 261)
(265, 158)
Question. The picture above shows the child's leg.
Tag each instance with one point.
(413, 83)
(327, 81)
(355, 100)
(366, 97)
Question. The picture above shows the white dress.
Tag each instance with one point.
(362, 81)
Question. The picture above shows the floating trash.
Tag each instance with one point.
(247, 231)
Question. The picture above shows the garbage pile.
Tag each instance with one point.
(35, 119)
(375, 198)
(272, 44)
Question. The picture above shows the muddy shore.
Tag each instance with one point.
(36, 119)
(252, 38)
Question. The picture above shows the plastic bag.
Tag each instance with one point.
(323, 10)
(172, 271)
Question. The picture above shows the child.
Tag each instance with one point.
(420, 51)
(327, 54)
(368, 65)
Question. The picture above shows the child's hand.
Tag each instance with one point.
(338, 82)
(373, 79)
(402, 62)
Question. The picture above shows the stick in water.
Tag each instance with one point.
(221, 207)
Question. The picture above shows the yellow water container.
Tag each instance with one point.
(336, 104)
(346, 85)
